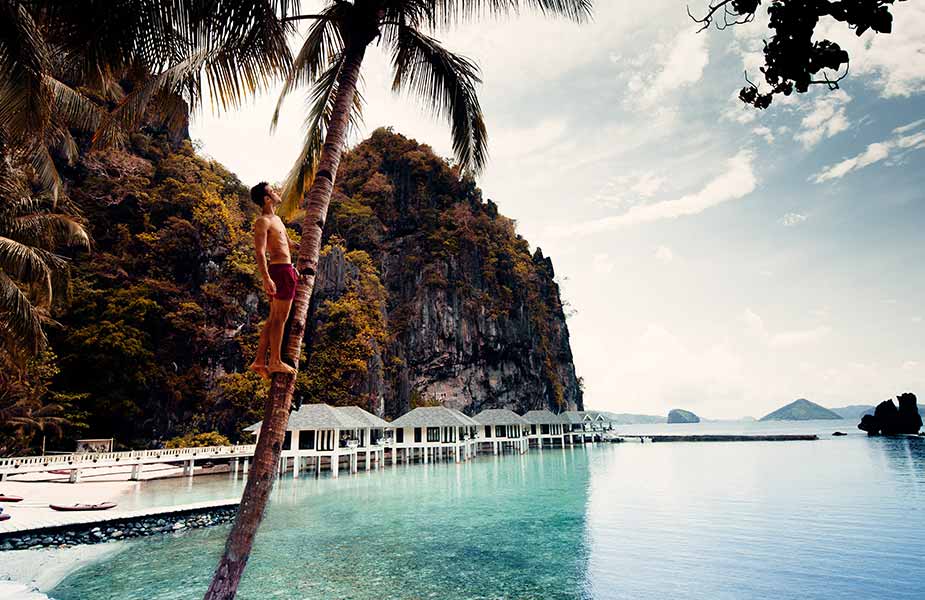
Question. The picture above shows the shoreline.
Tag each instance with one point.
(36, 572)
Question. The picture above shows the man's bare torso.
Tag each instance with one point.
(277, 240)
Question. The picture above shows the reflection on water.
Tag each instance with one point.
(837, 518)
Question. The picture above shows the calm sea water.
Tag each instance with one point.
(838, 518)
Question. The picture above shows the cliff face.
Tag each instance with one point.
(425, 294)
(471, 318)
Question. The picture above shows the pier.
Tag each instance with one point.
(714, 438)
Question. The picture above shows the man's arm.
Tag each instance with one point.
(260, 247)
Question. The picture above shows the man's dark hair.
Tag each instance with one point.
(258, 193)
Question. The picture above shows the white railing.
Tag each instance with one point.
(84, 459)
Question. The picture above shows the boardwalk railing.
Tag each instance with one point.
(91, 459)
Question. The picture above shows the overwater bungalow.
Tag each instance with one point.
(545, 427)
(586, 426)
(502, 428)
(430, 433)
(318, 435)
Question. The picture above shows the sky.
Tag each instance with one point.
(713, 257)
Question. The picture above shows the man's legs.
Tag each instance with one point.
(259, 365)
(279, 312)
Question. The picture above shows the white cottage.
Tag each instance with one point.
(502, 428)
(545, 427)
(429, 433)
(318, 434)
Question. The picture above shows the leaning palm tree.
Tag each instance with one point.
(330, 61)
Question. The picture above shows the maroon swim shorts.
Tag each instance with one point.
(283, 275)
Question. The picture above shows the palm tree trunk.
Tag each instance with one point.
(276, 411)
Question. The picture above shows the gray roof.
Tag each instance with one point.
(433, 416)
(371, 420)
(574, 416)
(543, 417)
(319, 416)
(500, 416)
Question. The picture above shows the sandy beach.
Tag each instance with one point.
(105, 484)
(30, 574)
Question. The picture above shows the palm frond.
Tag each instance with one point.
(48, 231)
(24, 64)
(321, 106)
(19, 317)
(322, 43)
(448, 13)
(445, 82)
(25, 263)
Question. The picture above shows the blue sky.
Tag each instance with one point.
(719, 259)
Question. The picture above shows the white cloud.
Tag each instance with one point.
(826, 118)
(895, 61)
(791, 219)
(916, 319)
(764, 132)
(676, 65)
(641, 185)
(754, 324)
(664, 254)
(737, 181)
(875, 152)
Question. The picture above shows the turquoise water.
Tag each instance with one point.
(838, 518)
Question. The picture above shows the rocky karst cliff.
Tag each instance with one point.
(457, 310)
(425, 294)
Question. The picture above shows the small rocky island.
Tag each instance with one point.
(682, 416)
(889, 420)
(801, 410)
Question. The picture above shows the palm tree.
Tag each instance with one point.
(60, 79)
(32, 231)
(330, 61)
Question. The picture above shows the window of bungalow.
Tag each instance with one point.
(400, 435)
(488, 431)
(433, 434)
(417, 435)
(287, 441)
(307, 440)
(500, 431)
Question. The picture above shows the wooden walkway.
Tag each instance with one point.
(69, 519)
(134, 458)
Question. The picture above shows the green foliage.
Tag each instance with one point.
(351, 331)
(198, 440)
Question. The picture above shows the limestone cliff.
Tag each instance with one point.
(469, 317)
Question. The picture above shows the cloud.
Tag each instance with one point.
(641, 185)
(664, 254)
(754, 324)
(826, 118)
(895, 62)
(791, 219)
(737, 181)
(902, 140)
(764, 132)
(679, 64)
(916, 319)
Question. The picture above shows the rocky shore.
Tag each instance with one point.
(117, 529)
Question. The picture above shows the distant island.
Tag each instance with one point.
(633, 419)
(801, 410)
(682, 416)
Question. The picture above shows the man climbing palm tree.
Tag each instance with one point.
(279, 278)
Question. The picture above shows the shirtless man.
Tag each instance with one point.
(279, 278)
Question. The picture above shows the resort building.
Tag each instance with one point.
(430, 433)
(586, 426)
(502, 428)
(545, 427)
(319, 435)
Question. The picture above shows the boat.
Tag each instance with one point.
(4, 517)
(82, 507)
(8, 498)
